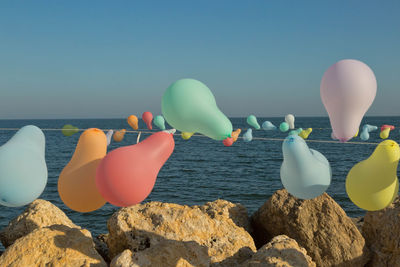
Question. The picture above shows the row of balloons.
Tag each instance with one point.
(126, 175)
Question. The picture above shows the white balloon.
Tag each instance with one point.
(289, 118)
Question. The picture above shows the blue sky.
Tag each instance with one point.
(109, 59)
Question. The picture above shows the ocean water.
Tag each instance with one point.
(201, 169)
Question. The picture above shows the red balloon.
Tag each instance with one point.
(147, 117)
(127, 175)
(228, 141)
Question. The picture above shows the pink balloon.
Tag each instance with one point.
(348, 89)
(147, 117)
(127, 175)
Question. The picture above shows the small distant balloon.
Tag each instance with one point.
(284, 127)
(109, 136)
(289, 118)
(296, 132)
(119, 135)
(248, 135)
(133, 122)
(385, 131)
(268, 126)
(364, 135)
(159, 122)
(68, 130)
(147, 117)
(252, 121)
(186, 136)
(235, 134)
(305, 133)
(228, 141)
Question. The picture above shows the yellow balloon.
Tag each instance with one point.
(235, 134)
(357, 133)
(372, 184)
(385, 133)
(186, 135)
(305, 133)
(119, 135)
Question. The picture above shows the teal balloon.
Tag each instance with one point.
(305, 173)
(23, 170)
(252, 121)
(159, 122)
(364, 135)
(248, 135)
(268, 126)
(296, 132)
(284, 127)
(189, 106)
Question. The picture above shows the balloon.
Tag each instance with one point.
(333, 136)
(69, 130)
(305, 133)
(247, 136)
(252, 121)
(189, 106)
(77, 181)
(186, 136)
(296, 132)
(385, 131)
(23, 170)
(348, 89)
(109, 136)
(366, 130)
(235, 134)
(284, 127)
(228, 141)
(372, 184)
(127, 175)
(119, 135)
(289, 118)
(305, 173)
(267, 125)
(147, 117)
(159, 122)
(133, 122)
(370, 128)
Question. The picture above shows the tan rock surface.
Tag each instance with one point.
(56, 245)
(319, 225)
(164, 254)
(40, 213)
(381, 230)
(281, 251)
(217, 225)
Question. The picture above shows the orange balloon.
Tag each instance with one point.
(133, 122)
(119, 135)
(127, 175)
(147, 117)
(77, 181)
(235, 134)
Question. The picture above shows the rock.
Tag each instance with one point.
(166, 253)
(40, 213)
(101, 246)
(381, 230)
(220, 226)
(358, 221)
(319, 225)
(281, 251)
(56, 245)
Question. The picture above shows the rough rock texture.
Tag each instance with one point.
(100, 243)
(381, 230)
(56, 245)
(220, 226)
(281, 251)
(164, 254)
(358, 221)
(40, 213)
(319, 225)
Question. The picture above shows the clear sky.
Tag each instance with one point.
(109, 59)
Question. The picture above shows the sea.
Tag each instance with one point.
(201, 169)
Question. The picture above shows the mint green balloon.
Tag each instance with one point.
(284, 127)
(159, 122)
(296, 132)
(23, 169)
(252, 121)
(189, 106)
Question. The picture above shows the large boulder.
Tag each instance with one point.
(166, 253)
(40, 213)
(281, 251)
(56, 245)
(381, 231)
(319, 225)
(220, 226)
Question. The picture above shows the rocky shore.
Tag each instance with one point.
(285, 231)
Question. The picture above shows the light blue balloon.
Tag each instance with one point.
(370, 128)
(159, 122)
(305, 173)
(248, 135)
(252, 121)
(23, 170)
(296, 132)
(284, 127)
(268, 126)
(364, 135)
